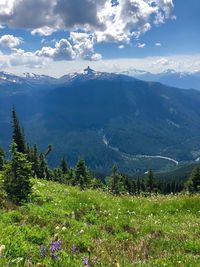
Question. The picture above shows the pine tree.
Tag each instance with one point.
(35, 161)
(1, 159)
(115, 181)
(81, 177)
(138, 185)
(151, 183)
(193, 183)
(80, 172)
(18, 133)
(63, 166)
(42, 167)
(17, 177)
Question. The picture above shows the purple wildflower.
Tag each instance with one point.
(55, 246)
(74, 248)
(85, 261)
(43, 251)
(54, 256)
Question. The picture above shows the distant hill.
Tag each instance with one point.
(105, 118)
(182, 80)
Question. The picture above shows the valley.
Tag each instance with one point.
(145, 125)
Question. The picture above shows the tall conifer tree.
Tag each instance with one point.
(18, 133)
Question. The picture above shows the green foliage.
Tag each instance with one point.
(64, 166)
(81, 174)
(1, 159)
(18, 134)
(193, 184)
(117, 183)
(151, 183)
(115, 230)
(17, 175)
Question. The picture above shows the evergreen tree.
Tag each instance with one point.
(17, 177)
(18, 133)
(193, 183)
(142, 186)
(63, 166)
(116, 185)
(42, 167)
(81, 175)
(138, 185)
(1, 159)
(35, 161)
(151, 184)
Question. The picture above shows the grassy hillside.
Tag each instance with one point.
(110, 231)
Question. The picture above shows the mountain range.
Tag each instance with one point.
(170, 77)
(105, 118)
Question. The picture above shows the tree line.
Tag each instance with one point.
(27, 161)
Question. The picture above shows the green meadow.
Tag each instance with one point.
(64, 226)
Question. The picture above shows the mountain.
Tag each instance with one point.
(106, 118)
(89, 74)
(182, 80)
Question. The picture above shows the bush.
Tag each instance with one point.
(17, 175)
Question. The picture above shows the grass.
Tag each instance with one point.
(110, 231)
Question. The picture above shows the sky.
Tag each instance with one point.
(55, 37)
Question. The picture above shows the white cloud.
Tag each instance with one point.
(79, 45)
(27, 59)
(95, 57)
(158, 44)
(63, 50)
(105, 21)
(43, 31)
(10, 41)
(121, 46)
(141, 45)
(88, 22)
(180, 63)
(161, 61)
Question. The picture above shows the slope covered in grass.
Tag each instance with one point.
(102, 229)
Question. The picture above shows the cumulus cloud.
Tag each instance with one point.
(88, 22)
(141, 45)
(63, 50)
(27, 59)
(79, 45)
(111, 20)
(10, 41)
(43, 31)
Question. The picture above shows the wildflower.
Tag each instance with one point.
(74, 248)
(43, 251)
(54, 256)
(2, 249)
(55, 246)
(57, 227)
(85, 261)
(64, 228)
(81, 231)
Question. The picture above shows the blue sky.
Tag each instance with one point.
(59, 36)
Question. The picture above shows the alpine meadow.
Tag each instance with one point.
(99, 133)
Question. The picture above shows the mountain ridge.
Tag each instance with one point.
(137, 117)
